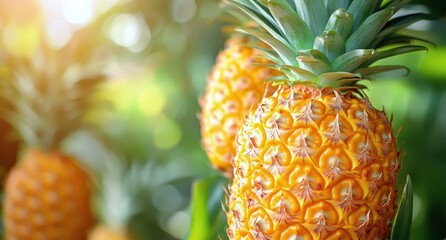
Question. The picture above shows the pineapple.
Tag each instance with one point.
(315, 159)
(234, 85)
(47, 193)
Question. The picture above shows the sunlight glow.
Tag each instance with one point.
(130, 31)
(58, 33)
(78, 11)
(151, 101)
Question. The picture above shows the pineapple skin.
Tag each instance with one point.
(233, 88)
(47, 197)
(102, 232)
(313, 164)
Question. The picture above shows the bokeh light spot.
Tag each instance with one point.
(166, 198)
(78, 11)
(130, 31)
(21, 41)
(178, 224)
(166, 134)
(58, 33)
(183, 10)
(151, 101)
(124, 30)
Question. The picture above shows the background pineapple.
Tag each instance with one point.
(234, 86)
(315, 159)
(47, 194)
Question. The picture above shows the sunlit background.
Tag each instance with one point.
(157, 54)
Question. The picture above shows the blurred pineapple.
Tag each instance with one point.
(22, 39)
(47, 194)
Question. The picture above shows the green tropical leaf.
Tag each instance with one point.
(361, 10)
(286, 53)
(314, 13)
(401, 22)
(341, 22)
(295, 30)
(313, 65)
(403, 220)
(390, 52)
(351, 60)
(333, 5)
(331, 44)
(373, 24)
(208, 217)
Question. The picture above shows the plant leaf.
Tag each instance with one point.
(300, 74)
(284, 51)
(399, 39)
(400, 23)
(314, 13)
(208, 218)
(341, 22)
(295, 29)
(381, 54)
(403, 220)
(351, 60)
(369, 72)
(333, 5)
(313, 65)
(331, 44)
(361, 10)
(397, 4)
(267, 23)
(360, 38)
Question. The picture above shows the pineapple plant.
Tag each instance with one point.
(47, 193)
(122, 194)
(314, 159)
(233, 87)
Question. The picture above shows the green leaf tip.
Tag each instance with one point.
(403, 220)
(208, 219)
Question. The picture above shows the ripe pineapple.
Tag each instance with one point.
(315, 159)
(47, 194)
(234, 86)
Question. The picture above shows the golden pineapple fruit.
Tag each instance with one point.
(234, 86)
(48, 197)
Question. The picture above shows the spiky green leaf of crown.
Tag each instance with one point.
(47, 95)
(330, 43)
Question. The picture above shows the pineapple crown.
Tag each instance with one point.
(330, 43)
(46, 96)
(124, 187)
